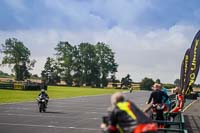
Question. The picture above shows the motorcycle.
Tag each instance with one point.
(42, 103)
(172, 106)
(160, 114)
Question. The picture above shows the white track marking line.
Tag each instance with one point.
(94, 112)
(60, 111)
(11, 114)
(47, 126)
(188, 106)
(95, 118)
(65, 104)
(56, 106)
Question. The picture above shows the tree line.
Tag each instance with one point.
(81, 64)
(86, 63)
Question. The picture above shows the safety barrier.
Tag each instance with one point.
(34, 87)
(175, 126)
(167, 130)
(18, 86)
(21, 85)
(6, 86)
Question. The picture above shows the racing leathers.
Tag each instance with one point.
(125, 117)
(158, 107)
(43, 95)
(157, 97)
(179, 103)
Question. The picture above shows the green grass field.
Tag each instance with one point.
(8, 96)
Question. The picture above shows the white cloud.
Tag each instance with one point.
(155, 54)
(16, 4)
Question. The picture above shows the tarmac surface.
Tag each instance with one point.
(73, 115)
(192, 117)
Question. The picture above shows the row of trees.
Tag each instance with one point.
(82, 64)
(147, 83)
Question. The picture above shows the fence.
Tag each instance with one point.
(6, 86)
(18, 86)
(176, 126)
(23, 86)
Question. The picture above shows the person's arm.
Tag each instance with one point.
(140, 115)
(165, 95)
(111, 127)
(47, 95)
(150, 98)
(181, 101)
(113, 122)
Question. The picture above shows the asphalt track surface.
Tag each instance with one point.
(192, 117)
(73, 115)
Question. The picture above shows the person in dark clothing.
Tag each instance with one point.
(44, 95)
(157, 95)
(125, 117)
(179, 103)
(158, 105)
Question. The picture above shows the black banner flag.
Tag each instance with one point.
(184, 68)
(193, 66)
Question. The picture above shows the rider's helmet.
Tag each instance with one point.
(42, 90)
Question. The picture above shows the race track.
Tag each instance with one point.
(74, 115)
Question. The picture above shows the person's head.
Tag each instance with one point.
(178, 90)
(157, 86)
(117, 97)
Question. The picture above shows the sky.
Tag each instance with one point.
(149, 37)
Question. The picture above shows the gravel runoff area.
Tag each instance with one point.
(74, 115)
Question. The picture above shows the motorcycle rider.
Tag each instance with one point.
(43, 94)
(157, 95)
(125, 117)
(167, 103)
(179, 102)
